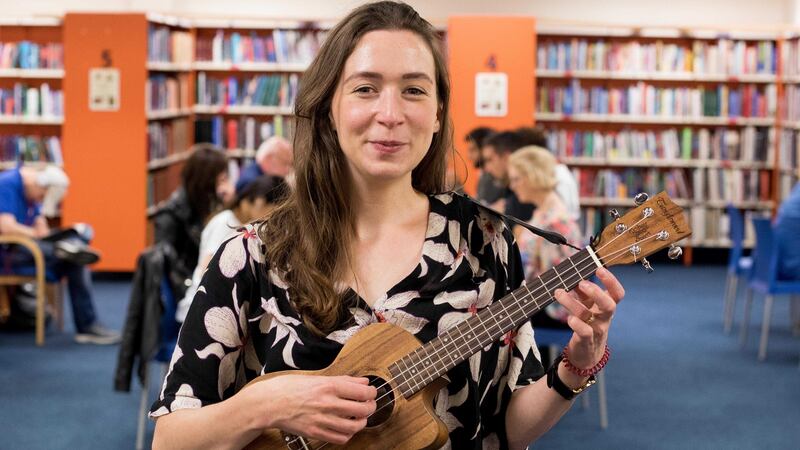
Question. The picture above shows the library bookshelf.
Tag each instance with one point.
(31, 92)
(699, 113)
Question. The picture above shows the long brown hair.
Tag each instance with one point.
(199, 179)
(309, 235)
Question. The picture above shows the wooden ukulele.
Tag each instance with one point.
(408, 374)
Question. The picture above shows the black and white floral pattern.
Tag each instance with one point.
(242, 323)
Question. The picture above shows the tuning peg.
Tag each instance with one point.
(614, 214)
(640, 198)
(647, 266)
(674, 252)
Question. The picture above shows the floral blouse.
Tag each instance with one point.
(538, 255)
(242, 323)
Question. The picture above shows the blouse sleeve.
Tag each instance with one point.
(209, 358)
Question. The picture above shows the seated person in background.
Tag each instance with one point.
(22, 191)
(490, 190)
(205, 188)
(495, 151)
(252, 202)
(274, 157)
(531, 174)
(786, 229)
(566, 186)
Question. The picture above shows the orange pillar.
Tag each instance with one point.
(489, 44)
(105, 151)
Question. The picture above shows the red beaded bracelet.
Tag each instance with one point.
(591, 370)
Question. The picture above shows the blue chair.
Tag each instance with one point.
(764, 276)
(556, 339)
(738, 265)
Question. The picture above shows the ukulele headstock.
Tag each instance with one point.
(651, 226)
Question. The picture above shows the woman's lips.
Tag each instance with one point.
(387, 146)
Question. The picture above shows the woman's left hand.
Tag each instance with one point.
(591, 310)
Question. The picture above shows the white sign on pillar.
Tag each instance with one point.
(103, 89)
(491, 94)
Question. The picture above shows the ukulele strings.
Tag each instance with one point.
(612, 257)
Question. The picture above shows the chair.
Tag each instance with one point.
(738, 266)
(44, 287)
(764, 276)
(557, 339)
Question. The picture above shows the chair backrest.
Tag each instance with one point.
(765, 253)
(787, 236)
(736, 234)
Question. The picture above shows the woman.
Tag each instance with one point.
(364, 238)
(205, 187)
(532, 177)
(253, 200)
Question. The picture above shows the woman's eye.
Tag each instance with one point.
(364, 90)
(415, 91)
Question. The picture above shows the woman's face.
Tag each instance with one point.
(385, 106)
(519, 183)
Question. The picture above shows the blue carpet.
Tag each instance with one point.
(674, 380)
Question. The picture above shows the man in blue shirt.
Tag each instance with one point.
(274, 157)
(22, 191)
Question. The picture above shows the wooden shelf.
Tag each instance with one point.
(655, 120)
(22, 120)
(240, 153)
(655, 76)
(245, 110)
(160, 163)
(210, 66)
(794, 125)
(7, 165)
(166, 66)
(663, 163)
(30, 22)
(44, 74)
(261, 24)
(163, 115)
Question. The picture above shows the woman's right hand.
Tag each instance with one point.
(331, 409)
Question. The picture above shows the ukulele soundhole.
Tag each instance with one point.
(385, 401)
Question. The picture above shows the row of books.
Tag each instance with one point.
(165, 138)
(22, 100)
(166, 45)
(276, 46)
(258, 90)
(245, 133)
(31, 55)
(790, 57)
(161, 183)
(703, 57)
(167, 92)
(708, 225)
(754, 144)
(699, 185)
(791, 98)
(31, 148)
(713, 225)
(646, 99)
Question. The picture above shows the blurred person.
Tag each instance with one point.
(531, 174)
(27, 194)
(495, 151)
(786, 232)
(253, 201)
(566, 186)
(205, 188)
(490, 190)
(273, 157)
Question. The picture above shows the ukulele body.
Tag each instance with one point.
(404, 424)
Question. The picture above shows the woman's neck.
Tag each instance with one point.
(386, 204)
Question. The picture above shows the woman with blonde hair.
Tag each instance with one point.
(531, 174)
(367, 235)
